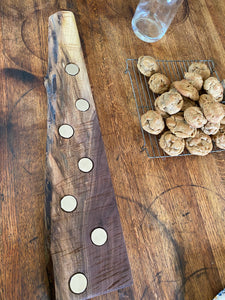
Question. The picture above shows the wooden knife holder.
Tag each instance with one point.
(80, 196)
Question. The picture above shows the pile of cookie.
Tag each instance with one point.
(188, 112)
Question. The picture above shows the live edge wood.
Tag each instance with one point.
(172, 210)
(106, 267)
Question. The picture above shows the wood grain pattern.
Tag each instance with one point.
(172, 211)
(106, 267)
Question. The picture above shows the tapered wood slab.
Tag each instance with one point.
(106, 267)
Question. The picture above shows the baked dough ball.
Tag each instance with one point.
(205, 98)
(219, 138)
(194, 79)
(152, 122)
(170, 102)
(159, 83)
(194, 117)
(214, 87)
(200, 68)
(171, 144)
(201, 144)
(186, 89)
(211, 128)
(179, 127)
(213, 112)
(147, 65)
(187, 103)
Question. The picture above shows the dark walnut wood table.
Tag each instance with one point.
(172, 210)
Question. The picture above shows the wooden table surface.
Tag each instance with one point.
(172, 210)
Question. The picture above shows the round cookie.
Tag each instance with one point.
(194, 79)
(170, 102)
(199, 68)
(214, 87)
(205, 98)
(213, 112)
(147, 65)
(152, 122)
(194, 117)
(171, 144)
(186, 89)
(201, 144)
(211, 128)
(179, 127)
(219, 138)
(159, 83)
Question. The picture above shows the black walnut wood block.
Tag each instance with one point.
(98, 259)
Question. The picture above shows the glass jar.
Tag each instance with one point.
(152, 18)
